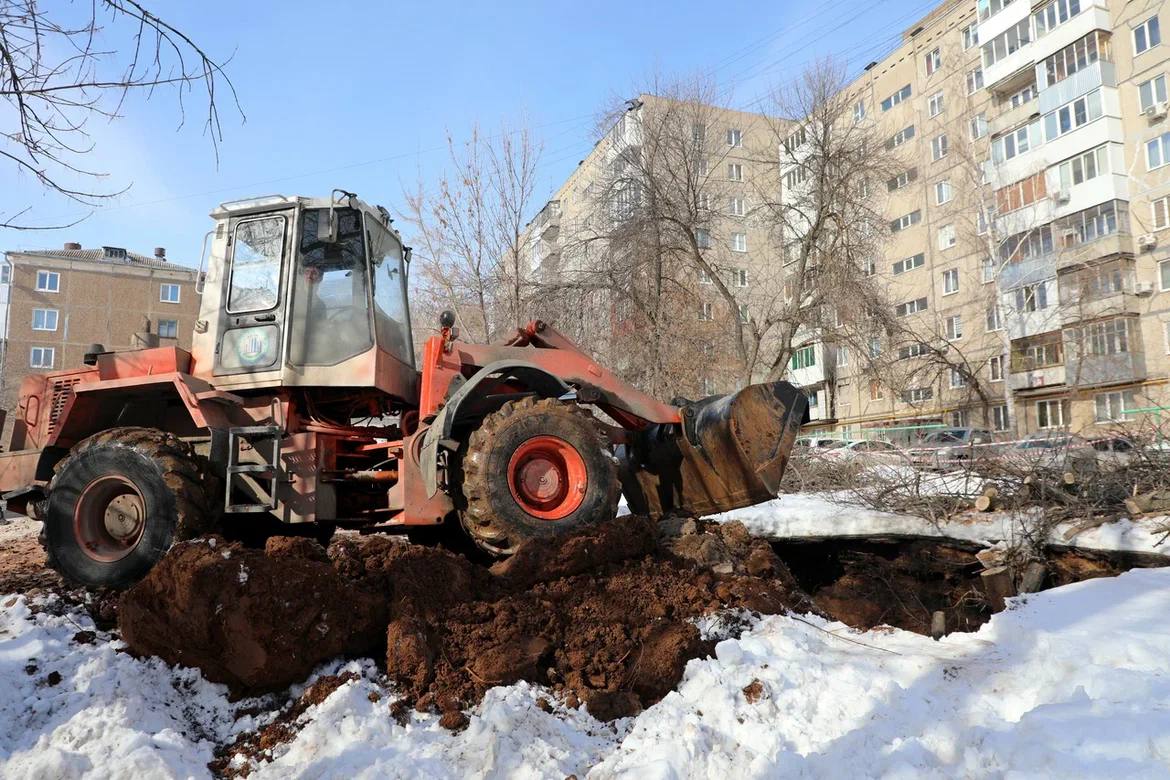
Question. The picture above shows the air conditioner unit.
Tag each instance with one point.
(1143, 289)
(1147, 241)
(1060, 196)
(1156, 111)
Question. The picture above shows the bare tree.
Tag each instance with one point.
(468, 232)
(62, 65)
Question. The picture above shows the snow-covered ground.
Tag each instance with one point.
(1070, 682)
(803, 515)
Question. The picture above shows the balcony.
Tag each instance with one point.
(1121, 368)
(1084, 81)
(1031, 271)
(1013, 117)
(548, 221)
(1080, 308)
(1025, 324)
(1119, 244)
(1024, 378)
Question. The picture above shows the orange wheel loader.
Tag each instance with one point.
(300, 407)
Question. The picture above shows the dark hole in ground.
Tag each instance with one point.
(903, 582)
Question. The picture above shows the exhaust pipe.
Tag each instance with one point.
(730, 452)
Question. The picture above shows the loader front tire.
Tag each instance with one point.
(118, 502)
(536, 468)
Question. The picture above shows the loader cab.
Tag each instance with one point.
(305, 292)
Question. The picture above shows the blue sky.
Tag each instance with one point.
(361, 95)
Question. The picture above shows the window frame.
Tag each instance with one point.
(950, 281)
(54, 275)
(50, 351)
(1146, 27)
(178, 292)
(46, 312)
(174, 326)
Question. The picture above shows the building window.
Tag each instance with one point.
(1106, 338)
(859, 111)
(934, 104)
(842, 356)
(734, 172)
(1152, 92)
(933, 60)
(900, 137)
(978, 126)
(974, 81)
(1074, 57)
(1157, 153)
(168, 329)
(954, 327)
(703, 167)
(942, 192)
(917, 349)
(814, 399)
(739, 242)
(992, 320)
(805, 357)
(705, 312)
(1161, 214)
(995, 368)
(744, 317)
(905, 221)
(916, 395)
(875, 346)
(875, 390)
(1076, 114)
(41, 357)
(44, 319)
(910, 263)
(988, 266)
(999, 417)
(734, 137)
(910, 307)
(903, 179)
(795, 141)
(708, 386)
(946, 237)
(1016, 142)
(739, 277)
(168, 293)
(970, 36)
(796, 176)
(1083, 167)
(738, 207)
(5, 273)
(48, 281)
(1055, 14)
(938, 147)
(1021, 193)
(1111, 407)
(1049, 414)
(703, 238)
(991, 8)
(698, 134)
(1146, 35)
(896, 98)
(958, 378)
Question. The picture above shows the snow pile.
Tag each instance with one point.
(72, 708)
(802, 515)
(1074, 682)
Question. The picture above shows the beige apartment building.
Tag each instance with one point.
(55, 303)
(1028, 224)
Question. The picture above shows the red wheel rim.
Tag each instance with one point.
(547, 477)
(109, 518)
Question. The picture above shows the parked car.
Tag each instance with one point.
(870, 451)
(1051, 451)
(1114, 451)
(818, 445)
(955, 447)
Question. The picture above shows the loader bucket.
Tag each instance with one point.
(730, 453)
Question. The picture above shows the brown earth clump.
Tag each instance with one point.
(604, 617)
(254, 621)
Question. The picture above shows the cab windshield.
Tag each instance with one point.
(330, 317)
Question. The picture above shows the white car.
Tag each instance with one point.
(870, 451)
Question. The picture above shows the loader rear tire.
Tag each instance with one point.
(118, 502)
(536, 468)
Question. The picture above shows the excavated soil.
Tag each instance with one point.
(604, 618)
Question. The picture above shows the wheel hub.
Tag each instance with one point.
(547, 477)
(109, 518)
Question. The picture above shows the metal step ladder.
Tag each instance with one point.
(262, 439)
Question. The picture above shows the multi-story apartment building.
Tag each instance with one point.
(1026, 234)
(1027, 223)
(56, 303)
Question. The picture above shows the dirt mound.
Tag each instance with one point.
(253, 620)
(602, 617)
